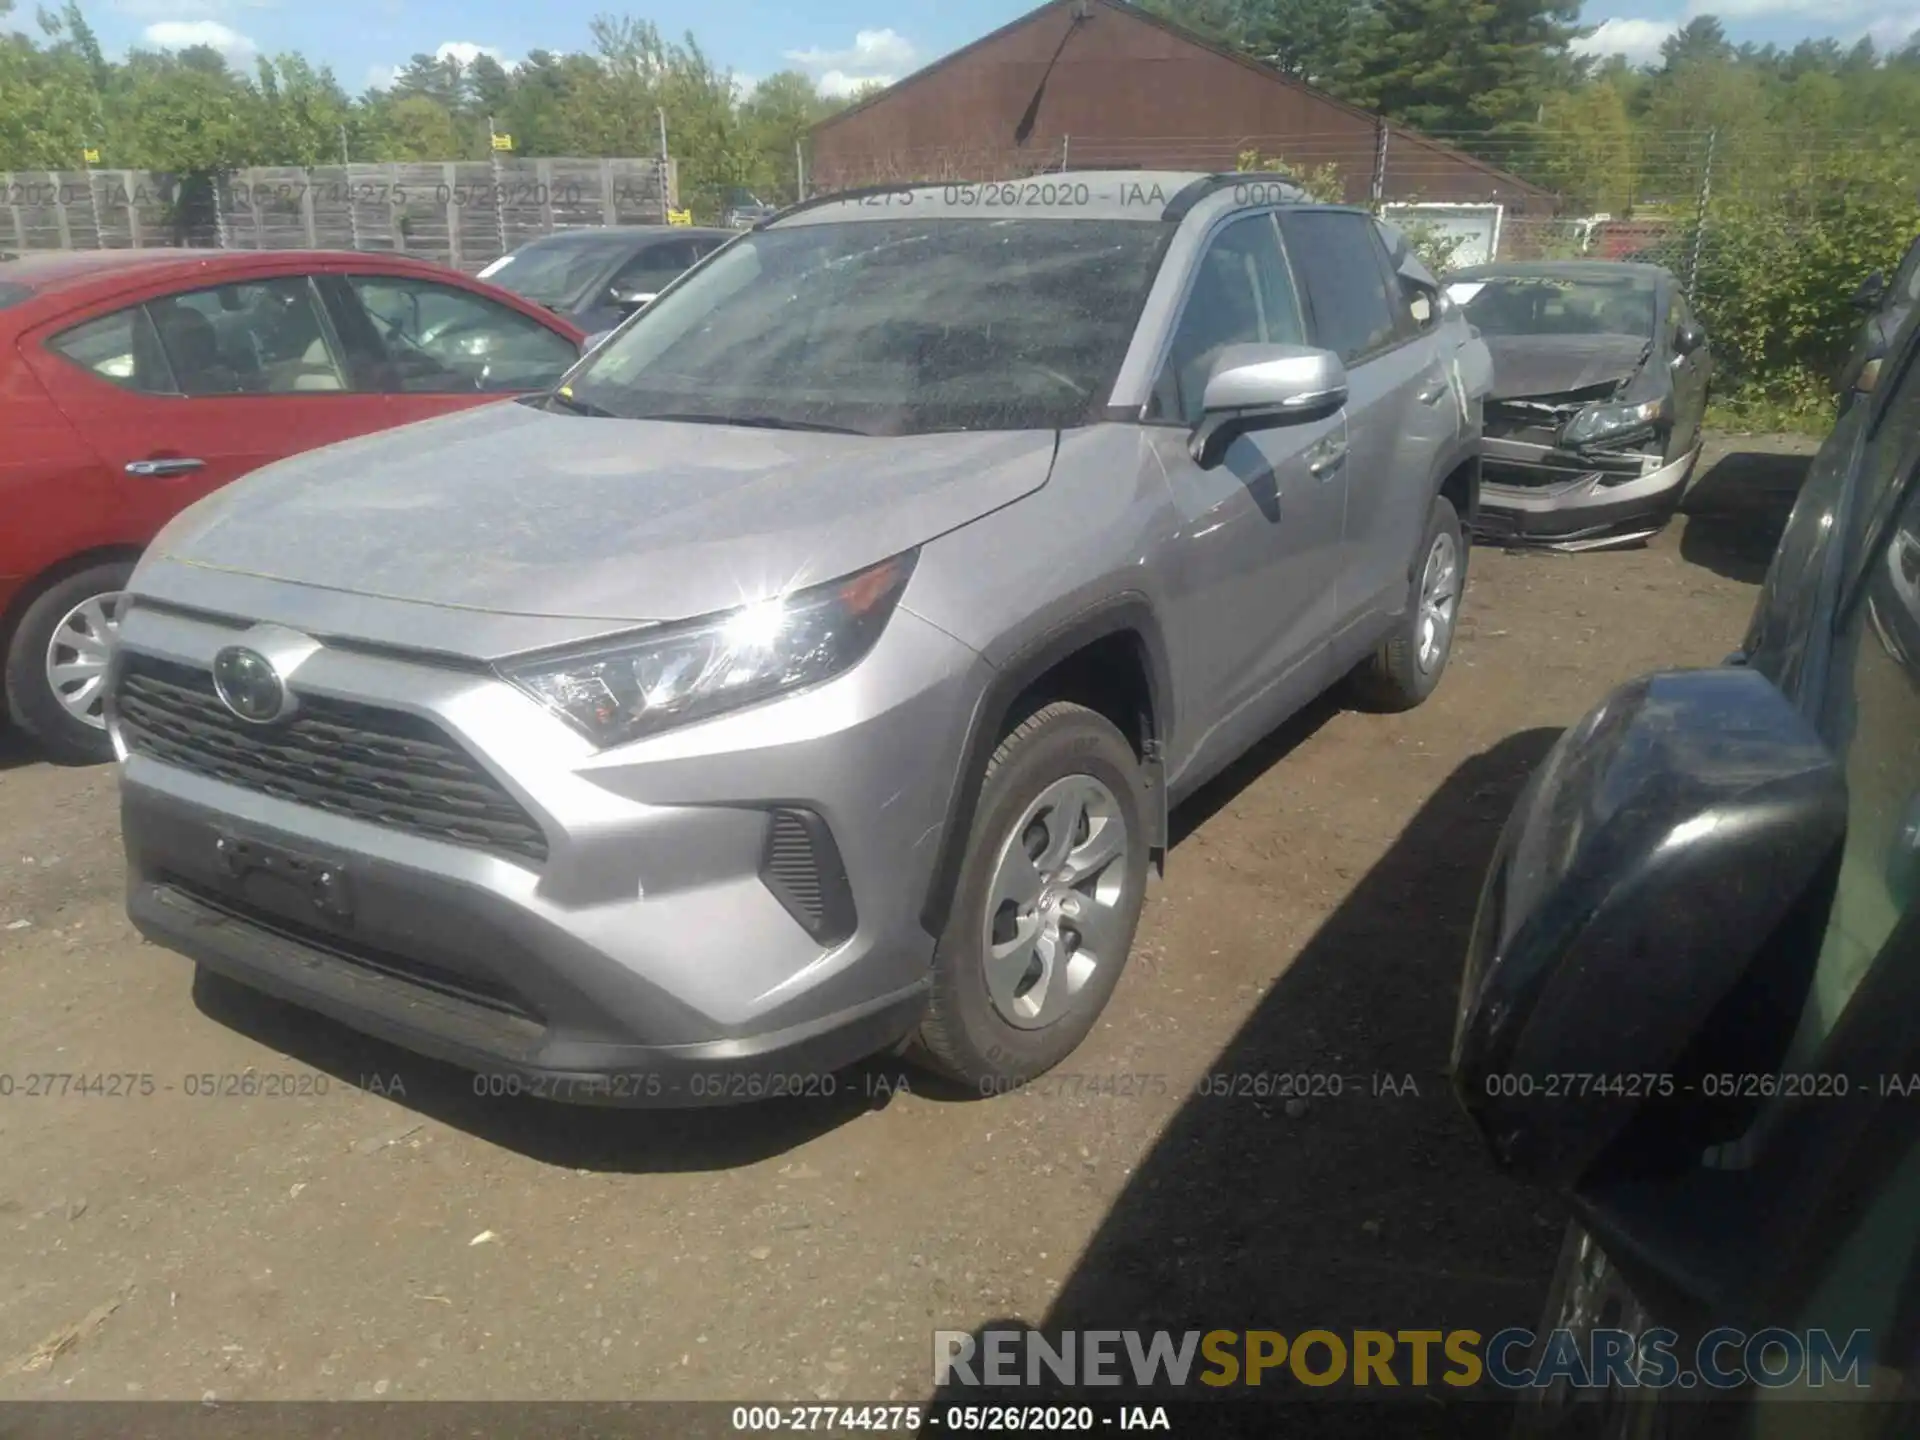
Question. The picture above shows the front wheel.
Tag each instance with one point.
(56, 671)
(1407, 667)
(1046, 904)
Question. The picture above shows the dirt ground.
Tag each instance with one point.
(397, 1236)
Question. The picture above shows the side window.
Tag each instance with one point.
(1414, 312)
(260, 337)
(1242, 294)
(121, 348)
(654, 267)
(437, 339)
(1340, 270)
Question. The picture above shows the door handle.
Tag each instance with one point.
(1434, 391)
(152, 468)
(1324, 459)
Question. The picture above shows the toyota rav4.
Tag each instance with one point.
(811, 672)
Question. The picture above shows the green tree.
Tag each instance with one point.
(1585, 149)
(1450, 68)
(1701, 40)
(186, 113)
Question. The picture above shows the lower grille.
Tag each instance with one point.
(383, 766)
(472, 989)
(803, 869)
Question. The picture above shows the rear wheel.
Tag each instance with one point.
(56, 670)
(1410, 661)
(1046, 905)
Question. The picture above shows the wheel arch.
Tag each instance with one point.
(1111, 658)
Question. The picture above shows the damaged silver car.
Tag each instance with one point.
(1600, 382)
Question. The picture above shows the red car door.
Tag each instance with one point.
(184, 390)
(432, 342)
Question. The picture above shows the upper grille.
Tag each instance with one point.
(374, 764)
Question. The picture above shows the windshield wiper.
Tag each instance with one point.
(564, 401)
(758, 422)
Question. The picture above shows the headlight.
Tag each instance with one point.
(1602, 422)
(689, 671)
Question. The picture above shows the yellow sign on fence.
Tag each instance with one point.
(503, 142)
(679, 217)
(90, 156)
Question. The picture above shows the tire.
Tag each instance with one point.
(982, 1029)
(1404, 671)
(74, 607)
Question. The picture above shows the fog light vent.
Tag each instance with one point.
(803, 869)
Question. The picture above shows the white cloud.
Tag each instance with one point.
(1638, 40)
(238, 50)
(839, 84)
(380, 77)
(466, 52)
(876, 55)
(1894, 31)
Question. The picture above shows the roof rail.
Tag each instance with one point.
(833, 197)
(1191, 195)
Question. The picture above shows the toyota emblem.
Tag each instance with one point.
(249, 686)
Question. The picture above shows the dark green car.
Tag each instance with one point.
(1692, 997)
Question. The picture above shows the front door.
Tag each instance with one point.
(429, 347)
(1252, 589)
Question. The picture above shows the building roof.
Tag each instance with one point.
(1399, 132)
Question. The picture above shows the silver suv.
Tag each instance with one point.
(812, 672)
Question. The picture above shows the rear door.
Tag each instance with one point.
(1398, 401)
(427, 346)
(183, 391)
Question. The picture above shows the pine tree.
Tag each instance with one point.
(1447, 67)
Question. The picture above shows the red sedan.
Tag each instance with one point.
(134, 382)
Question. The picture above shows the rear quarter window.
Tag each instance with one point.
(12, 293)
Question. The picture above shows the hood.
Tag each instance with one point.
(1545, 365)
(514, 510)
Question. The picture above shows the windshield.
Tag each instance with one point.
(1557, 305)
(550, 272)
(890, 327)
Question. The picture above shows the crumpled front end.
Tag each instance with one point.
(1545, 482)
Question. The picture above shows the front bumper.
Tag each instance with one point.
(647, 959)
(1573, 508)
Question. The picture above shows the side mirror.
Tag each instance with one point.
(1872, 291)
(1688, 339)
(632, 300)
(1649, 923)
(1253, 387)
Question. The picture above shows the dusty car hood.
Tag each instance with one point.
(1525, 365)
(515, 510)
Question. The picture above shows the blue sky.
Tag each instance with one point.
(839, 42)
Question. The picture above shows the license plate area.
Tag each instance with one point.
(291, 882)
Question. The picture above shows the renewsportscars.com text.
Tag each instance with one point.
(1514, 1359)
